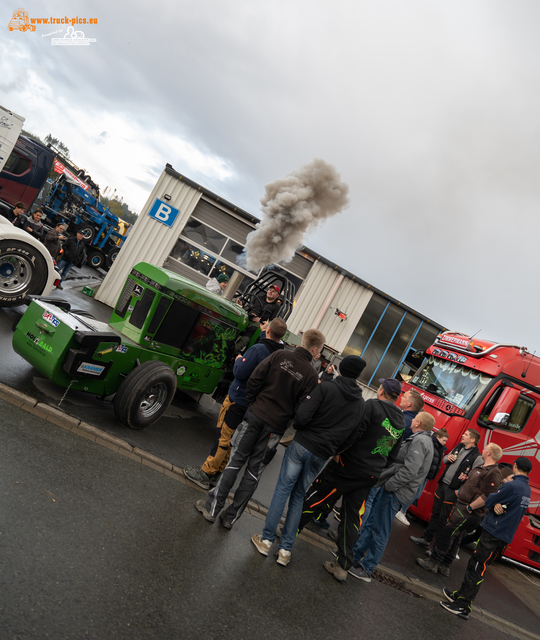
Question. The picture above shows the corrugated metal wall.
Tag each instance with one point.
(351, 298)
(150, 238)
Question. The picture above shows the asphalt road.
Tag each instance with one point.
(95, 545)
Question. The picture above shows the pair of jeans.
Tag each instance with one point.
(375, 530)
(416, 497)
(64, 267)
(298, 470)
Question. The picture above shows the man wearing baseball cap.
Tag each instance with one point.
(506, 509)
(269, 304)
(353, 472)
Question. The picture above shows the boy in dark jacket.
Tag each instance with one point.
(506, 509)
(463, 459)
(234, 406)
(351, 474)
(74, 253)
(323, 422)
(274, 391)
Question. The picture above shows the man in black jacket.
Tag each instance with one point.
(351, 474)
(53, 238)
(74, 253)
(323, 422)
(463, 459)
(274, 390)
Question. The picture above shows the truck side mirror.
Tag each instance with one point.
(504, 406)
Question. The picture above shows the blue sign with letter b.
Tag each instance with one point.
(163, 212)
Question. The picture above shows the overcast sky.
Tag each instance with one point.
(428, 109)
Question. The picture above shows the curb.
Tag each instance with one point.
(85, 430)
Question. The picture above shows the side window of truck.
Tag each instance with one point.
(16, 164)
(518, 418)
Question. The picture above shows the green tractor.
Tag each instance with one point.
(165, 333)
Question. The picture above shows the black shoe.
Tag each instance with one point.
(200, 505)
(337, 513)
(449, 595)
(198, 476)
(421, 541)
(457, 609)
(59, 286)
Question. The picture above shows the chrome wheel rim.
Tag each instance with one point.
(15, 273)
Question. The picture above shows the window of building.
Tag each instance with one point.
(210, 252)
(384, 337)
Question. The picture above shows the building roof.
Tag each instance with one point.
(309, 253)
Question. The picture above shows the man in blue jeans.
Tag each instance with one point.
(397, 485)
(324, 421)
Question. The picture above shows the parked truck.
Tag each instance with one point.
(73, 198)
(495, 389)
(166, 332)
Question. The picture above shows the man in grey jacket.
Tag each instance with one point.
(397, 486)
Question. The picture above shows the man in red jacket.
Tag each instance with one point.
(274, 391)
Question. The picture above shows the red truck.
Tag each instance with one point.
(495, 389)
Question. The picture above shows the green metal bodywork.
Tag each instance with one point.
(159, 316)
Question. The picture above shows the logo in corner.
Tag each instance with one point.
(20, 21)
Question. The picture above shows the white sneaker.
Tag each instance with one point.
(263, 546)
(402, 518)
(284, 557)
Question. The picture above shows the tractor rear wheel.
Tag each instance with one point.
(145, 394)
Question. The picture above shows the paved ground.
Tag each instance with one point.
(183, 437)
(95, 545)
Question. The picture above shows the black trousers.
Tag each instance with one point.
(448, 539)
(487, 549)
(253, 444)
(326, 490)
(443, 503)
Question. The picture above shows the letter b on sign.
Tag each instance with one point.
(163, 212)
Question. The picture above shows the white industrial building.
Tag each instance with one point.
(187, 229)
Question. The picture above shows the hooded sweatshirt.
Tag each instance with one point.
(328, 416)
(375, 443)
(244, 367)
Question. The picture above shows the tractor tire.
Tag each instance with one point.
(88, 231)
(23, 272)
(145, 394)
(111, 256)
(96, 259)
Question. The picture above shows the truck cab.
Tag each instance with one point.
(495, 389)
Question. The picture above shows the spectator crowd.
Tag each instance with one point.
(374, 456)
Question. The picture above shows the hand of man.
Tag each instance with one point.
(264, 325)
(452, 457)
(462, 476)
(498, 508)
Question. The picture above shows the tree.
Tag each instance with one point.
(49, 139)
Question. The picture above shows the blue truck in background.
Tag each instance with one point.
(73, 198)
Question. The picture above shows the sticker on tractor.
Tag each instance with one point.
(180, 371)
(121, 348)
(92, 369)
(137, 290)
(51, 319)
(130, 308)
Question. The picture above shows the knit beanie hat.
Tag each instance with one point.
(352, 366)
(223, 277)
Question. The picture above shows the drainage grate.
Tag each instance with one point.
(393, 582)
